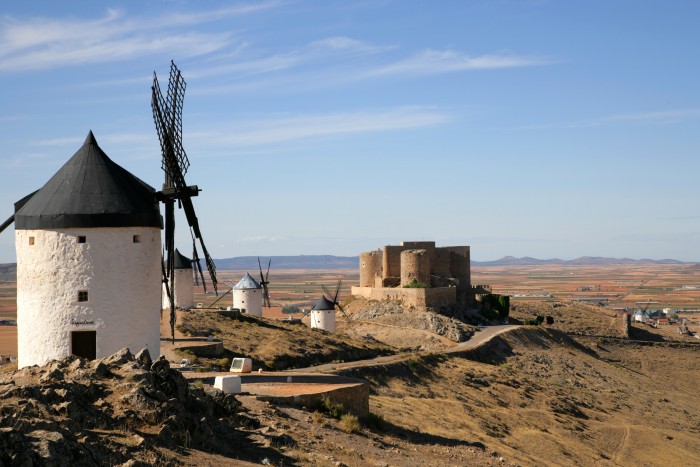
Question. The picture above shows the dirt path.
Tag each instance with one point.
(621, 445)
(477, 339)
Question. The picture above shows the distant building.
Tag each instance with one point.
(417, 273)
(183, 283)
(248, 296)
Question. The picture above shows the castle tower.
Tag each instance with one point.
(183, 283)
(323, 315)
(248, 296)
(415, 266)
(370, 268)
(88, 262)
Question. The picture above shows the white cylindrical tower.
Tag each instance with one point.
(183, 284)
(88, 263)
(248, 296)
(323, 315)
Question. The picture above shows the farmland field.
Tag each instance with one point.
(674, 286)
(669, 285)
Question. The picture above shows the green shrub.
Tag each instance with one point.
(540, 319)
(412, 364)
(334, 410)
(224, 364)
(550, 320)
(374, 422)
(498, 305)
(198, 384)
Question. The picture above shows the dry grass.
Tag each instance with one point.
(349, 423)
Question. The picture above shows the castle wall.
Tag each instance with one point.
(122, 279)
(440, 264)
(370, 267)
(432, 297)
(391, 260)
(419, 245)
(415, 266)
(460, 264)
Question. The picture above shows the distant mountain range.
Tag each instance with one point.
(353, 262)
(583, 260)
(250, 263)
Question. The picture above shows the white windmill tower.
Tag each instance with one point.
(88, 262)
(248, 296)
(322, 315)
(183, 283)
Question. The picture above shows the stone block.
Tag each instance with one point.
(241, 365)
(228, 384)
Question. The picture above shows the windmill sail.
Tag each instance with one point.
(167, 116)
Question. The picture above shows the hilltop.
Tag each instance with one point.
(563, 394)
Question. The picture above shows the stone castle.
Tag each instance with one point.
(417, 273)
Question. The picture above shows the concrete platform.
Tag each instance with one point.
(306, 390)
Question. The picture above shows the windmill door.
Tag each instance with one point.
(84, 344)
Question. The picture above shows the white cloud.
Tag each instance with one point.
(279, 130)
(260, 238)
(650, 117)
(41, 43)
(445, 61)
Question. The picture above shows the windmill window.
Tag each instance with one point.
(82, 239)
(137, 238)
(31, 240)
(82, 296)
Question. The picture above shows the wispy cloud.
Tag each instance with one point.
(277, 130)
(432, 61)
(650, 117)
(42, 43)
(259, 238)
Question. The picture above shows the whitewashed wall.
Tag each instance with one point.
(184, 290)
(250, 299)
(123, 280)
(323, 319)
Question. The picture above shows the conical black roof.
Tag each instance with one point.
(324, 304)
(90, 190)
(181, 261)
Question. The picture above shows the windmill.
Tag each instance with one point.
(323, 311)
(167, 115)
(334, 300)
(264, 281)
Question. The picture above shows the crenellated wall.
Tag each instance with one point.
(422, 261)
(432, 297)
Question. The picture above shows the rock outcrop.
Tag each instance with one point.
(116, 410)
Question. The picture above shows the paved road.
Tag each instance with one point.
(488, 333)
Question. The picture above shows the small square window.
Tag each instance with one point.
(137, 238)
(31, 240)
(82, 239)
(82, 296)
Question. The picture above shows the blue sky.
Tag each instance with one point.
(525, 128)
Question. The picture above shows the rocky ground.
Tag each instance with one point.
(405, 328)
(573, 393)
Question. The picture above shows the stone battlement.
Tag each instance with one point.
(438, 268)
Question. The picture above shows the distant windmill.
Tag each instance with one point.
(323, 311)
(264, 281)
(167, 115)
